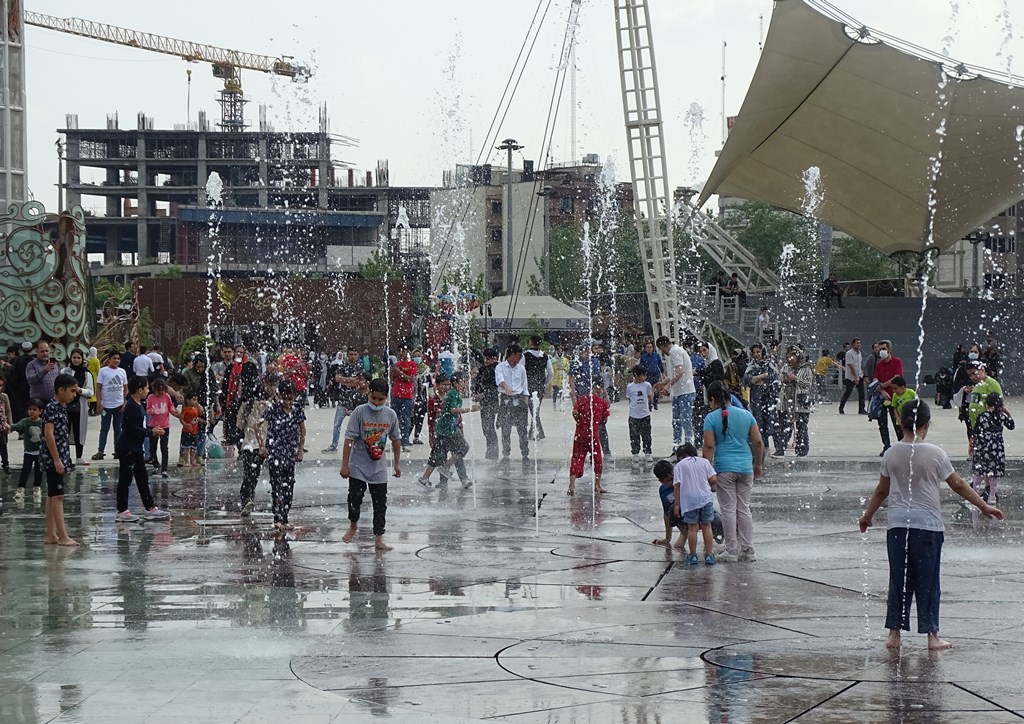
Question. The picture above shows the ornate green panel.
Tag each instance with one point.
(42, 276)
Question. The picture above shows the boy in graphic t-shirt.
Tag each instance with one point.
(363, 462)
(641, 399)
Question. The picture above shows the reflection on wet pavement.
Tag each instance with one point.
(484, 611)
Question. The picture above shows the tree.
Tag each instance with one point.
(380, 267)
(195, 344)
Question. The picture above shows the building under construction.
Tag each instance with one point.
(287, 203)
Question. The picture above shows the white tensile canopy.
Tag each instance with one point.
(866, 110)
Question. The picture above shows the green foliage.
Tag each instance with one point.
(144, 326)
(171, 272)
(533, 327)
(380, 267)
(854, 259)
(194, 344)
(105, 289)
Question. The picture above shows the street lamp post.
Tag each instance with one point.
(509, 145)
(546, 193)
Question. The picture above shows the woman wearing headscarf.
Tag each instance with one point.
(93, 363)
(78, 408)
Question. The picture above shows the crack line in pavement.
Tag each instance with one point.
(823, 701)
(859, 594)
(752, 620)
(985, 698)
(660, 578)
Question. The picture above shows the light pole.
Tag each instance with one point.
(510, 145)
(546, 193)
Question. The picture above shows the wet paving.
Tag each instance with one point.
(487, 609)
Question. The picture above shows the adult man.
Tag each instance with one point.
(142, 365)
(158, 360)
(538, 376)
(762, 378)
(678, 380)
(830, 289)
(128, 357)
(981, 386)
(886, 369)
(853, 376)
(869, 363)
(485, 391)
(514, 403)
(403, 392)
(583, 371)
(40, 374)
(348, 380)
(991, 355)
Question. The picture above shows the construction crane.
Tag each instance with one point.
(227, 64)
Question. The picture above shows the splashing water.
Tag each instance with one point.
(694, 120)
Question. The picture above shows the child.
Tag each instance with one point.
(250, 423)
(901, 395)
(988, 455)
(363, 462)
(159, 409)
(131, 456)
(281, 437)
(641, 400)
(590, 412)
(695, 481)
(446, 435)
(912, 471)
(55, 457)
(663, 471)
(31, 428)
(111, 391)
(191, 416)
(6, 420)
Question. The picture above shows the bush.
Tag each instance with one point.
(192, 345)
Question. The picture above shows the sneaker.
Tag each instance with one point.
(747, 556)
(156, 514)
(636, 461)
(709, 559)
(443, 474)
(779, 454)
(37, 494)
(98, 456)
(727, 558)
(126, 516)
(163, 474)
(247, 509)
(504, 460)
(330, 448)
(424, 483)
(19, 495)
(467, 484)
(417, 441)
(7, 469)
(692, 559)
(648, 459)
(181, 463)
(81, 461)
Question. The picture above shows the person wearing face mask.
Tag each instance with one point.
(887, 368)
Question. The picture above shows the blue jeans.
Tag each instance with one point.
(403, 408)
(114, 415)
(914, 559)
(339, 417)
(682, 417)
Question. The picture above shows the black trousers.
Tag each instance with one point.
(252, 462)
(132, 465)
(883, 427)
(282, 485)
(29, 463)
(488, 422)
(159, 443)
(640, 431)
(803, 437)
(915, 557)
(849, 385)
(378, 496)
(516, 416)
(75, 423)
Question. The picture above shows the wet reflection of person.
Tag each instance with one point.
(283, 599)
(131, 581)
(368, 596)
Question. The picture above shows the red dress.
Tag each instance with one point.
(590, 413)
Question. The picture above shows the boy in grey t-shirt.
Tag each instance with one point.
(370, 426)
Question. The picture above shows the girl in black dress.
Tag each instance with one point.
(988, 454)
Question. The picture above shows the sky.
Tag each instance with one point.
(418, 82)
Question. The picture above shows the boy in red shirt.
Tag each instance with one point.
(590, 412)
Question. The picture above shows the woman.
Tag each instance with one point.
(93, 363)
(912, 471)
(651, 361)
(797, 377)
(732, 444)
(78, 409)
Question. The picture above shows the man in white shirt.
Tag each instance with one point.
(853, 376)
(679, 380)
(143, 364)
(513, 403)
(158, 359)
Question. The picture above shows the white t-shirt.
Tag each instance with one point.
(143, 365)
(678, 357)
(915, 472)
(692, 475)
(639, 394)
(158, 359)
(113, 382)
(853, 359)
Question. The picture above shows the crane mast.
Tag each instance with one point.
(645, 135)
(226, 63)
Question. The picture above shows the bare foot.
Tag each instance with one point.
(661, 542)
(380, 545)
(571, 491)
(289, 526)
(600, 491)
(350, 533)
(893, 641)
(71, 542)
(681, 544)
(937, 644)
(50, 540)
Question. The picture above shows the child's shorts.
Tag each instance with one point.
(54, 483)
(443, 445)
(700, 515)
(189, 440)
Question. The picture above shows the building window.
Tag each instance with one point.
(566, 206)
(496, 233)
(1001, 244)
(496, 207)
(496, 263)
